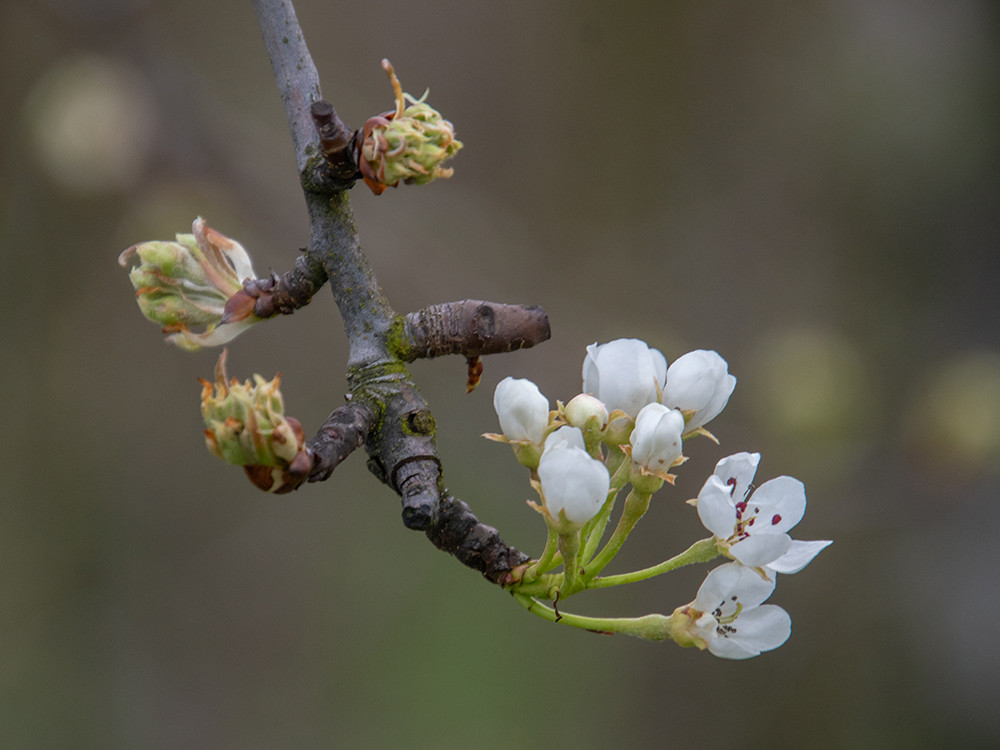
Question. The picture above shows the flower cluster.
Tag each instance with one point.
(629, 426)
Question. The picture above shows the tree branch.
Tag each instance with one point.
(471, 328)
(294, 71)
(386, 411)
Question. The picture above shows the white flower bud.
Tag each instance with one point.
(574, 486)
(656, 439)
(522, 409)
(564, 437)
(586, 412)
(625, 374)
(699, 382)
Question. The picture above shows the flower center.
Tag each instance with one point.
(725, 616)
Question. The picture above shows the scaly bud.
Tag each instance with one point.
(408, 144)
(187, 283)
(246, 426)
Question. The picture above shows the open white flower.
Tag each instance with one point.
(574, 486)
(522, 409)
(728, 616)
(625, 374)
(754, 522)
(656, 439)
(699, 384)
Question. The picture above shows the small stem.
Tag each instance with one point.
(701, 551)
(593, 532)
(569, 546)
(636, 505)
(547, 560)
(649, 627)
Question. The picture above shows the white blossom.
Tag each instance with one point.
(729, 617)
(573, 485)
(625, 374)
(656, 439)
(754, 521)
(698, 382)
(522, 409)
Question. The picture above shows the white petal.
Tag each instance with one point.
(799, 555)
(732, 583)
(573, 482)
(656, 439)
(729, 648)
(760, 629)
(624, 374)
(591, 375)
(716, 509)
(738, 472)
(761, 549)
(782, 503)
(564, 437)
(699, 381)
(692, 379)
(522, 409)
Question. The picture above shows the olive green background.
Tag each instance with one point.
(809, 188)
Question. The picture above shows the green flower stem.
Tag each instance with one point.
(618, 467)
(593, 531)
(649, 627)
(636, 505)
(569, 546)
(701, 551)
(547, 561)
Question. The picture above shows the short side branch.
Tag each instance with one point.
(345, 430)
(471, 328)
(336, 142)
(281, 294)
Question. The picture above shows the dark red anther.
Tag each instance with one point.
(775, 519)
(731, 483)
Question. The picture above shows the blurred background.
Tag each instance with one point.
(810, 189)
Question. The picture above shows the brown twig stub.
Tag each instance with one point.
(472, 328)
(276, 294)
(345, 430)
(336, 142)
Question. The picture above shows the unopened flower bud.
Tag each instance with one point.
(565, 437)
(574, 486)
(245, 425)
(699, 384)
(187, 283)
(409, 144)
(656, 439)
(625, 374)
(587, 413)
(522, 409)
